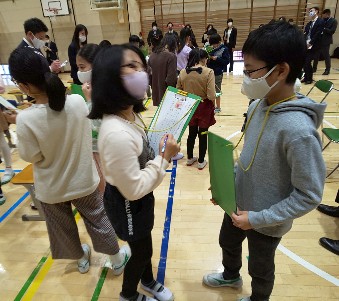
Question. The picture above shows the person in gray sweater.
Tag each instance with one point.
(280, 174)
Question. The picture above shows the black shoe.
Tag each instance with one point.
(308, 82)
(326, 72)
(303, 80)
(329, 210)
(314, 70)
(330, 244)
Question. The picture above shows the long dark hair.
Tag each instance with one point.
(184, 33)
(195, 56)
(108, 93)
(169, 41)
(75, 38)
(29, 66)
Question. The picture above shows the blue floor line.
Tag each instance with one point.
(16, 204)
(167, 227)
(15, 170)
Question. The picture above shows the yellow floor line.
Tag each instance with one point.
(42, 274)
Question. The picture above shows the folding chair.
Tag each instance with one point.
(333, 136)
(324, 86)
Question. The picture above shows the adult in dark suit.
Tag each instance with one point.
(155, 33)
(312, 33)
(230, 40)
(171, 30)
(51, 50)
(330, 26)
(79, 39)
(35, 32)
(330, 244)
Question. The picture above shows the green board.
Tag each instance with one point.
(221, 167)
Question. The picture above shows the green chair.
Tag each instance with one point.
(333, 136)
(323, 85)
(76, 89)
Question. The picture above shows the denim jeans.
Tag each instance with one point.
(261, 265)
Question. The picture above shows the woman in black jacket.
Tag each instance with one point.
(230, 40)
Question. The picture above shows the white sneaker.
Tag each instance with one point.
(118, 268)
(2, 200)
(83, 262)
(8, 175)
(191, 161)
(202, 165)
(159, 291)
(178, 156)
(141, 297)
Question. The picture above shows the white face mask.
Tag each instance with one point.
(257, 88)
(230, 24)
(85, 76)
(312, 13)
(37, 43)
(154, 28)
(82, 39)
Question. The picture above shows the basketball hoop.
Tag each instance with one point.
(53, 12)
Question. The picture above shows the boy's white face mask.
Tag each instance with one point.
(257, 88)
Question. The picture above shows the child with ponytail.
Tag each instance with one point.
(55, 136)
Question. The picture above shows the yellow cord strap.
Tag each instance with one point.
(261, 131)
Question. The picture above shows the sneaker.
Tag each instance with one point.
(159, 291)
(2, 199)
(178, 156)
(140, 297)
(217, 280)
(191, 161)
(202, 165)
(125, 253)
(217, 110)
(83, 262)
(8, 175)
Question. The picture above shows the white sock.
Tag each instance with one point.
(8, 170)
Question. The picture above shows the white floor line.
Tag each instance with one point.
(233, 135)
(330, 124)
(308, 265)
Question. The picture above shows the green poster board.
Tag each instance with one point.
(221, 167)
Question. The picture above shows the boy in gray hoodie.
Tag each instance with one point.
(281, 172)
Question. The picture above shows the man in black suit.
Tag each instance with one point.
(230, 40)
(51, 50)
(35, 32)
(330, 244)
(330, 26)
(312, 33)
(155, 33)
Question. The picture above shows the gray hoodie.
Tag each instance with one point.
(287, 177)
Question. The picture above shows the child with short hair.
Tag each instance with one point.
(281, 172)
(219, 59)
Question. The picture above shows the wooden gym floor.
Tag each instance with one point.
(304, 270)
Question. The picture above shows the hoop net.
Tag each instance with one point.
(53, 12)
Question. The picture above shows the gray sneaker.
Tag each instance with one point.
(217, 280)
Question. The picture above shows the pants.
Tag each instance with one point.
(5, 150)
(63, 231)
(308, 69)
(138, 267)
(337, 197)
(325, 51)
(192, 134)
(261, 265)
(230, 52)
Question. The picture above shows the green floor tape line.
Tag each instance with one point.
(100, 284)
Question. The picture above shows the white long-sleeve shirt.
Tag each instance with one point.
(59, 144)
(120, 144)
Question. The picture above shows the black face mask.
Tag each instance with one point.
(326, 18)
